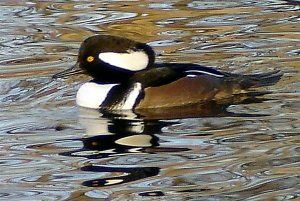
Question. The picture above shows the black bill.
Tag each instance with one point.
(74, 70)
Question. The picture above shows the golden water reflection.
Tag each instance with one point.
(51, 151)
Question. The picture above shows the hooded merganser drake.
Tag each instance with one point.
(126, 78)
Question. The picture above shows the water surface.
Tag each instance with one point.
(53, 150)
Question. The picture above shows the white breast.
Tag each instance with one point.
(92, 95)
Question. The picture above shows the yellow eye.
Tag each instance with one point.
(90, 59)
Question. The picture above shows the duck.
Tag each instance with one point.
(125, 76)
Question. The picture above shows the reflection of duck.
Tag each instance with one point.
(129, 175)
(109, 136)
(115, 136)
(125, 77)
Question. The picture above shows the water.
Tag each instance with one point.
(52, 150)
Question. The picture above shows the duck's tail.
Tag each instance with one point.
(261, 79)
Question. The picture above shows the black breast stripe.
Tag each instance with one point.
(118, 95)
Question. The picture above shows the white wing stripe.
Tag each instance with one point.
(203, 72)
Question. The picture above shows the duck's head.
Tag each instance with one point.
(111, 59)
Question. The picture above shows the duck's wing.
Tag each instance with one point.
(166, 73)
(192, 69)
(241, 81)
(169, 72)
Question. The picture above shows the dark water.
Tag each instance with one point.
(52, 150)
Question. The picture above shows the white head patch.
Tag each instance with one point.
(131, 60)
(92, 95)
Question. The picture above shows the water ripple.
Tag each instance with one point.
(49, 151)
(96, 18)
(32, 194)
